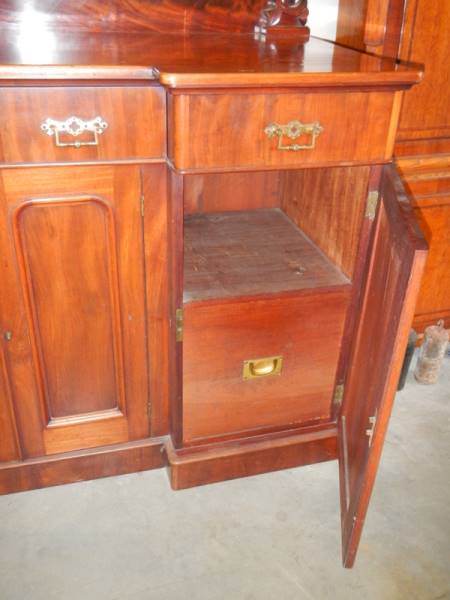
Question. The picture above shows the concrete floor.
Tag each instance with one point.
(271, 537)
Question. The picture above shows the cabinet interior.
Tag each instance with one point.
(269, 261)
(271, 232)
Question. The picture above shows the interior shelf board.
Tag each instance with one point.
(245, 253)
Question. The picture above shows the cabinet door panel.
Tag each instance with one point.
(397, 259)
(76, 244)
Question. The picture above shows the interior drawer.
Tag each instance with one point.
(279, 130)
(76, 124)
(300, 338)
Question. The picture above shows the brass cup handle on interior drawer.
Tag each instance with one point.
(294, 130)
(74, 126)
(262, 367)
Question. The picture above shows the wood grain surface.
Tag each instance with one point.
(228, 130)
(205, 60)
(71, 467)
(397, 260)
(162, 16)
(306, 330)
(135, 117)
(77, 356)
(247, 253)
(328, 205)
(251, 457)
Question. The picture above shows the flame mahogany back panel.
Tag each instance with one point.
(162, 16)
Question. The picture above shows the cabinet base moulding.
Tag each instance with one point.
(72, 467)
(220, 463)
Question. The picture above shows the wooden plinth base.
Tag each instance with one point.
(81, 465)
(201, 466)
(187, 468)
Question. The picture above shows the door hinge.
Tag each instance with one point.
(371, 206)
(338, 394)
(369, 432)
(142, 201)
(179, 324)
(149, 409)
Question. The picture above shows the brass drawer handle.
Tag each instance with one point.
(74, 126)
(293, 130)
(262, 367)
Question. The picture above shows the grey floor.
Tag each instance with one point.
(275, 536)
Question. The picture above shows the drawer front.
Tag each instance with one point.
(280, 130)
(77, 124)
(224, 393)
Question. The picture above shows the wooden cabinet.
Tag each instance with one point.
(74, 315)
(235, 305)
(417, 30)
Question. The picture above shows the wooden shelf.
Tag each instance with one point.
(247, 253)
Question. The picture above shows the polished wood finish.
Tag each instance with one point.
(75, 308)
(329, 205)
(156, 223)
(209, 60)
(416, 30)
(397, 260)
(428, 182)
(135, 118)
(281, 18)
(249, 253)
(95, 361)
(305, 329)
(198, 122)
(143, 16)
(72, 467)
(374, 25)
(425, 112)
(9, 439)
(176, 259)
(219, 192)
(250, 457)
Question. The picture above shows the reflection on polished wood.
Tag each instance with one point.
(219, 60)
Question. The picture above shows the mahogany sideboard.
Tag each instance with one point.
(207, 260)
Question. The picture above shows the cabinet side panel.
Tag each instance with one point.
(329, 205)
(157, 292)
(425, 112)
(9, 444)
(434, 298)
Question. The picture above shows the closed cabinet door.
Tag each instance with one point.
(73, 306)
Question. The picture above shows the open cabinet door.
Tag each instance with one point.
(386, 310)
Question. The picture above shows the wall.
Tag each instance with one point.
(323, 18)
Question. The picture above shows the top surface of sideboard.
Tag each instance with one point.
(196, 60)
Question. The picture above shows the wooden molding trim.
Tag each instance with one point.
(231, 461)
(71, 467)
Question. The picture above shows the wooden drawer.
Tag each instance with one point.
(134, 118)
(219, 399)
(241, 130)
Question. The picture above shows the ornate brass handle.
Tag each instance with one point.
(74, 126)
(293, 130)
(262, 367)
